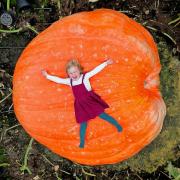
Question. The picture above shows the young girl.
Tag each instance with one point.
(87, 103)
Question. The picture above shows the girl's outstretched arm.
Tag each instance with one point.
(56, 79)
(98, 68)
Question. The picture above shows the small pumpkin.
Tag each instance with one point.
(130, 86)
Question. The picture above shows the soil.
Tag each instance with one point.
(45, 165)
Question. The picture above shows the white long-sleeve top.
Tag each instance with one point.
(88, 75)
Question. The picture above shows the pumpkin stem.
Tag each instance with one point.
(31, 28)
(24, 166)
(88, 174)
(4, 133)
(4, 164)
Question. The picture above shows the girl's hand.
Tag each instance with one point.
(44, 73)
(109, 61)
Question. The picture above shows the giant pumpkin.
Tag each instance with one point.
(130, 86)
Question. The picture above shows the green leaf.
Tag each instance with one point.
(173, 171)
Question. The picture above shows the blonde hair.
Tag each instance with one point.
(74, 62)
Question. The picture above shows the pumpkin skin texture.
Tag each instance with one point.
(130, 86)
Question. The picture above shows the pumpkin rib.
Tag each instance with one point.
(90, 140)
(89, 158)
(72, 37)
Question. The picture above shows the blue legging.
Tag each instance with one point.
(105, 116)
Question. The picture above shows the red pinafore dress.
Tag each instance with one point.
(87, 104)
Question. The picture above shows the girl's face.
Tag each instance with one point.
(74, 73)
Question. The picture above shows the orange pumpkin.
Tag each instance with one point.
(130, 86)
